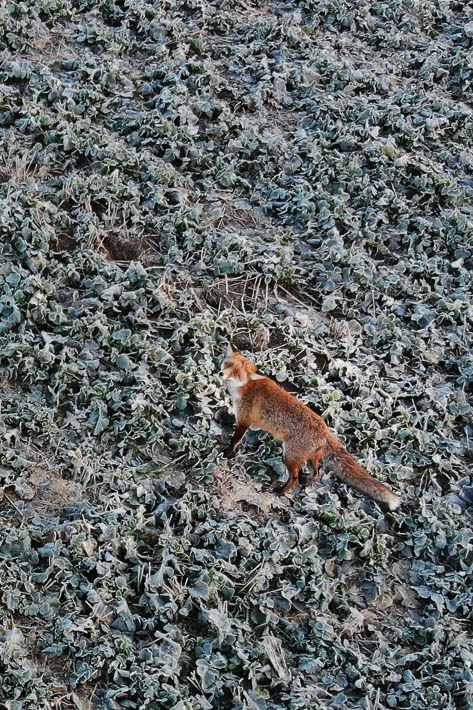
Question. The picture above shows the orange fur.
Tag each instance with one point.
(259, 401)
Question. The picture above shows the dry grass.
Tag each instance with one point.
(225, 209)
(50, 44)
(18, 169)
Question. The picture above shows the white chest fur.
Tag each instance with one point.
(233, 386)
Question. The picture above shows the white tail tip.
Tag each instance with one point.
(393, 503)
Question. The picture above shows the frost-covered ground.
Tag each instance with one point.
(298, 178)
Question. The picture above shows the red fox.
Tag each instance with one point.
(260, 401)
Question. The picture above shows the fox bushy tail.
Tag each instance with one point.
(349, 471)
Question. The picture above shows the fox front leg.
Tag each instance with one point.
(239, 434)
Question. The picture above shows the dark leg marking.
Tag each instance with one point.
(316, 459)
(293, 467)
(240, 432)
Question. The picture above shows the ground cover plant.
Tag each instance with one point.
(296, 177)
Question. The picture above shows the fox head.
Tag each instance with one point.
(236, 368)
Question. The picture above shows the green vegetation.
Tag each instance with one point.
(296, 177)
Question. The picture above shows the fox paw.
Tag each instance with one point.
(279, 490)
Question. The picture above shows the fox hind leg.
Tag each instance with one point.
(293, 467)
(315, 459)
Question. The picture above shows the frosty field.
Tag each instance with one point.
(293, 177)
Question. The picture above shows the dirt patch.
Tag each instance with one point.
(238, 492)
(40, 490)
(53, 492)
(63, 242)
(123, 248)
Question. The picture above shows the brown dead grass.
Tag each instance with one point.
(18, 169)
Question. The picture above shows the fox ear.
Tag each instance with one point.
(229, 352)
